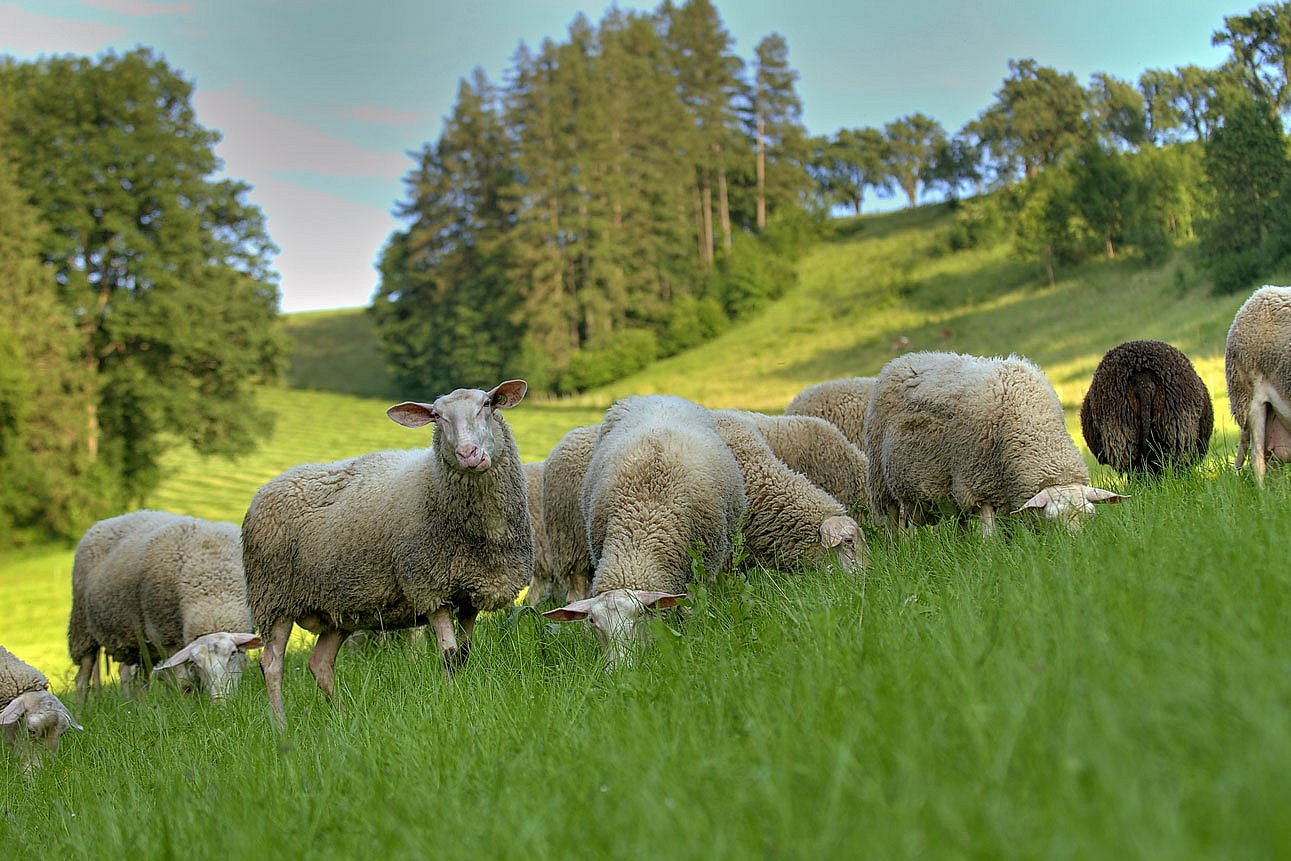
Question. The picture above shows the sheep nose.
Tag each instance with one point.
(469, 455)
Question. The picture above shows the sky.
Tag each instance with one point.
(321, 102)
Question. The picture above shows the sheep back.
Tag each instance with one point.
(841, 402)
(1146, 408)
(819, 450)
(564, 523)
(660, 483)
(948, 427)
(17, 677)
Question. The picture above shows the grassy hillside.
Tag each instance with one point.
(1117, 693)
(336, 351)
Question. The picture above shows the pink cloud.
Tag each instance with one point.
(27, 33)
(257, 143)
(140, 8)
(380, 116)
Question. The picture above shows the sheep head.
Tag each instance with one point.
(616, 618)
(462, 419)
(218, 660)
(1071, 503)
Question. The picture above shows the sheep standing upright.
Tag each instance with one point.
(1146, 409)
(983, 434)
(30, 716)
(152, 584)
(791, 522)
(841, 402)
(393, 539)
(661, 485)
(1257, 366)
(563, 523)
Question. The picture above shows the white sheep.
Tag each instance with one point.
(790, 521)
(30, 716)
(393, 539)
(1257, 366)
(820, 451)
(660, 487)
(841, 402)
(152, 584)
(564, 526)
(986, 434)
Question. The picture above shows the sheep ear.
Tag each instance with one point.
(1097, 494)
(572, 612)
(413, 414)
(658, 600)
(1040, 500)
(12, 712)
(246, 641)
(62, 709)
(184, 654)
(506, 395)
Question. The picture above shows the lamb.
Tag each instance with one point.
(1146, 409)
(982, 433)
(841, 402)
(1257, 366)
(564, 526)
(790, 522)
(393, 539)
(540, 586)
(152, 584)
(30, 716)
(820, 451)
(661, 484)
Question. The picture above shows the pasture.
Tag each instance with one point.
(1123, 692)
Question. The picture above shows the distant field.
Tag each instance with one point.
(336, 351)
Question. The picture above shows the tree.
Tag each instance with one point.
(850, 163)
(777, 125)
(1101, 192)
(1038, 118)
(956, 162)
(1117, 111)
(912, 142)
(1246, 163)
(1261, 52)
(164, 269)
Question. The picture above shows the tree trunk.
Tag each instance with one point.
(762, 173)
(1110, 249)
(706, 213)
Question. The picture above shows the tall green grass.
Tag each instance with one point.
(1121, 693)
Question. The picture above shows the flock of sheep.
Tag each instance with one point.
(621, 514)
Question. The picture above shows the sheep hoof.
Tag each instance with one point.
(455, 658)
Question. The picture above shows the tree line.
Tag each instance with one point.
(138, 303)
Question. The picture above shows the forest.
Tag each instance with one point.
(621, 196)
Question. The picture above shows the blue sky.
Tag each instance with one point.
(320, 101)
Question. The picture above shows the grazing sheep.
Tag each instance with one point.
(1146, 408)
(820, 451)
(1257, 366)
(30, 716)
(983, 434)
(540, 585)
(151, 584)
(661, 485)
(790, 521)
(842, 403)
(393, 539)
(564, 526)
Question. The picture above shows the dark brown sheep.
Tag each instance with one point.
(1146, 408)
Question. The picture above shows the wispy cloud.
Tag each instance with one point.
(380, 116)
(258, 143)
(140, 8)
(24, 32)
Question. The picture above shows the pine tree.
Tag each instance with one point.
(781, 140)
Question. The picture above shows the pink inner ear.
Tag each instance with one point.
(565, 614)
(503, 396)
(1097, 494)
(247, 641)
(412, 414)
(176, 659)
(660, 600)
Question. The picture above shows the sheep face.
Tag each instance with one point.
(616, 618)
(842, 544)
(1070, 503)
(218, 660)
(33, 723)
(462, 420)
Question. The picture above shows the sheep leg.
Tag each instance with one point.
(1241, 448)
(466, 616)
(1255, 424)
(271, 661)
(322, 661)
(86, 675)
(442, 622)
(578, 588)
(988, 520)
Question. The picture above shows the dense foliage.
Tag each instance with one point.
(150, 300)
(623, 196)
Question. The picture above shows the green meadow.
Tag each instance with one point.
(1124, 692)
